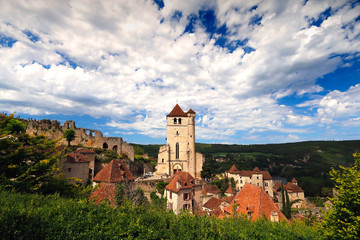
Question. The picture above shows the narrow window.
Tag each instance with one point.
(174, 120)
(69, 169)
(162, 160)
(266, 184)
(179, 120)
(170, 195)
(177, 150)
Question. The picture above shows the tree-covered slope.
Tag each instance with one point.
(309, 162)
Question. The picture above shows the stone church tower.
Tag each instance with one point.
(179, 152)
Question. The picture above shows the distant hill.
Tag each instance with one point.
(309, 162)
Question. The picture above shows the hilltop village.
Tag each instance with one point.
(252, 193)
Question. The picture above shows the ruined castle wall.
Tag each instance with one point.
(83, 136)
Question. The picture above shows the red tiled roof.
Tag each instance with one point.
(105, 192)
(266, 174)
(290, 187)
(230, 190)
(293, 187)
(229, 199)
(76, 157)
(191, 111)
(213, 203)
(115, 171)
(210, 189)
(255, 200)
(177, 112)
(233, 169)
(184, 179)
(85, 151)
(294, 180)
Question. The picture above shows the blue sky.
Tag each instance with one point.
(254, 71)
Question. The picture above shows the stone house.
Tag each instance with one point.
(209, 191)
(253, 202)
(230, 192)
(80, 164)
(182, 193)
(255, 177)
(179, 152)
(294, 191)
(215, 204)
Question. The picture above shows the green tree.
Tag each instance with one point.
(69, 135)
(342, 220)
(27, 164)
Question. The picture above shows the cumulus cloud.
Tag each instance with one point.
(132, 60)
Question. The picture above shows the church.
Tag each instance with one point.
(179, 152)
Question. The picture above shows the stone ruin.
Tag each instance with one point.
(86, 137)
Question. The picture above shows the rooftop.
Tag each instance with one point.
(115, 171)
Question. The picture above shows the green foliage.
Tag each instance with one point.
(52, 217)
(30, 164)
(138, 150)
(9, 125)
(69, 135)
(160, 187)
(342, 221)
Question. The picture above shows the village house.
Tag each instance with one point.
(182, 193)
(179, 152)
(114, 172)
(295, 192)
(209, 191)
(253, 202)
(255, 177)
(230, 191)
(79, 165)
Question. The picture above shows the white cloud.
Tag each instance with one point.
(134, 61)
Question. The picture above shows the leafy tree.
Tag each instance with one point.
(69, 135)
(126, 195)
(9, 125)
(342, 221)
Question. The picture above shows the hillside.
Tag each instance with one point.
(309, 162)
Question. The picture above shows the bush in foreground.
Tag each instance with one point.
(25, 216)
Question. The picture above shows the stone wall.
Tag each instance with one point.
(86, 137)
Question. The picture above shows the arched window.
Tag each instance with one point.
(177, 150)
(179, 120)
(175, 120)
(105, 145)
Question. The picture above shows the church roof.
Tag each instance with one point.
(177, 112)
(115, 171)
(191, 111)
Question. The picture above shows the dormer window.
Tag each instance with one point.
(175, 120)
(179, 120)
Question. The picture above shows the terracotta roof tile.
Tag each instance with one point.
(177, 112)
(294, 180)
(233, 169)
(213, 203)
(229, 199)
(293, 187)
(76, 157)
(230, 190)
(85, 151)
(105, 192)
(290, 187)
(181, 180)
(115, 171)
(191, 111)
(254, 199)
(210, 189)
(266, 174)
